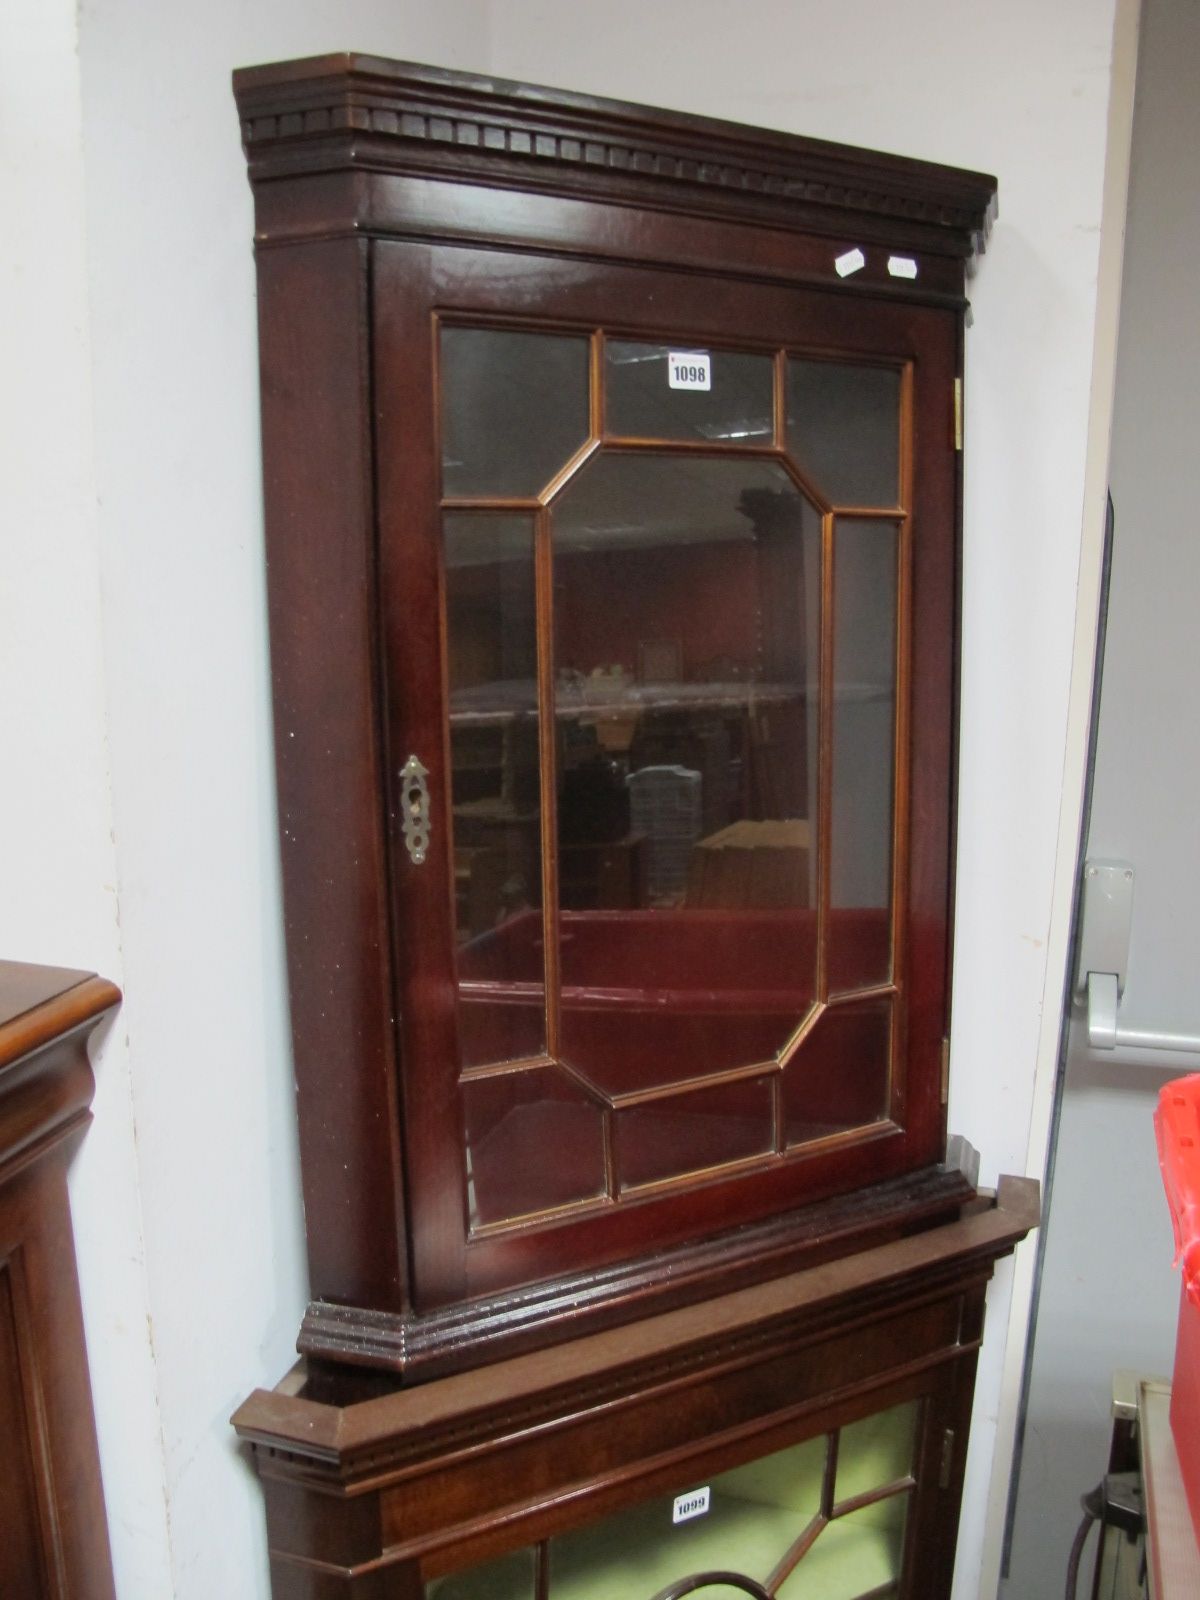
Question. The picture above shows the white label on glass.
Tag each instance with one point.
(689, 369)
(693, 1504)
(851, 261)
(902, 266)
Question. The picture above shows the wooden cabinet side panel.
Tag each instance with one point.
(315, 364)
(933, 1532)
(934, 629)
(327, 1547)
(53, 1530)
(22, 1567)
(408, 471)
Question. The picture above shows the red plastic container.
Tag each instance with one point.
(1177, 1128)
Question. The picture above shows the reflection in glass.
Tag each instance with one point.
(686, 664)
(514, 409)
(491, 652)
(516, 1121)
(840, 1077)
(691, 1132)
(864, 717)
(843, 429)
(654, 997)
(687, 651)
(738, 408)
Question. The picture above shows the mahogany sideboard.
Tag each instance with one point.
(54, 1538)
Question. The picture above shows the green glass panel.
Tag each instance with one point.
(875, 1452)
(756, 1512)
(639, 1552)
(754, 1516)
(791, 1479)
(854, 1556)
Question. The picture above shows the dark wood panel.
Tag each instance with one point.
(322, 594)
(384, 116)
(54, 1543)
(421, 1346)
(23, 1572)
(408, 474)
(430, 209)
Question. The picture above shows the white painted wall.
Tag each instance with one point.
(1109, 1298)
(134, 717)
(58, 871)
(133, 495)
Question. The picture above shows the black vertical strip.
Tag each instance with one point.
(829, 1482)
(541, 1571)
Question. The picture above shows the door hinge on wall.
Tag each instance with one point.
(945, 1069)
(958, 414)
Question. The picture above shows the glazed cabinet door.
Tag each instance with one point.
(826, 1516)
(667, 570)
(858, 1511)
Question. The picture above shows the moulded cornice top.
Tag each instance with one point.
(340, 112)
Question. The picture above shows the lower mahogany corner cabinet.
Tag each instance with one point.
(804, 1436)
(612, 463)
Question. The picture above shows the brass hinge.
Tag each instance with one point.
(945, 1069)
(958, 414)
(947, 1459)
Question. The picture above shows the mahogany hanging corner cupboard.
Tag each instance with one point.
(612, 464)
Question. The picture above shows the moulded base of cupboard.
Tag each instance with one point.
(553, 1475)
(420, 1347)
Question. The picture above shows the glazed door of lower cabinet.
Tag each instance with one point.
(837, 1515)
(671, 952)
(826, 1516)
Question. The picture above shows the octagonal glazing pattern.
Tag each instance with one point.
(687, 660)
